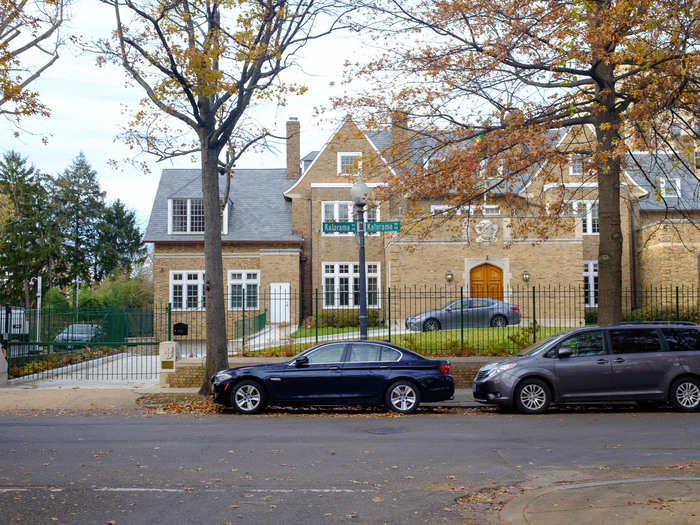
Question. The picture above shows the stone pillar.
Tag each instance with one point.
(3, 368)
(168, 352)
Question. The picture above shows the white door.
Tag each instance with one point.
(279, 302)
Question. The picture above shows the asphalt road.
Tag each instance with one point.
(308, 468)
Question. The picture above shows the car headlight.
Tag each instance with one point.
(501, 368)
(222, 376)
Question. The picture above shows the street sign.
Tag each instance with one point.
(388, 226)
(339, 227)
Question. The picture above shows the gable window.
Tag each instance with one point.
(349, 163)
(341, 285)
(590, 283)
(588, 212)
(576, 164)
(342, 211)
(243, 283)
(669, 187)
(187, 290)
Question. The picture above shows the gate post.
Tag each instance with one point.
(170, 322)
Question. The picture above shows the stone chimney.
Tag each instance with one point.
(293, 148)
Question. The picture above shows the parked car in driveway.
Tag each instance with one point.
(642, 362)
(78, 333)
(476, 312)
(338, 373)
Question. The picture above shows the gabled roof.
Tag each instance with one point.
(257, 209)
(645, 169)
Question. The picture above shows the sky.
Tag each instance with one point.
(88, 106)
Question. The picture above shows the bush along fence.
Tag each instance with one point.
(434, 321)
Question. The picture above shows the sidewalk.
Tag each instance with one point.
(75, 397)
(639, 501)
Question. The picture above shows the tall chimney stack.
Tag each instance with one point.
(293, 148)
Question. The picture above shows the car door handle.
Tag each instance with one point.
(334, 368)
(602, 361)
(619, 360)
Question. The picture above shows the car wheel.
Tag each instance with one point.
(430, 325)
(403, 397)
(532, 397)
(499, 320)
(248, 397)
(685, 394)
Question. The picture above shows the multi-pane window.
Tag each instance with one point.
(697, 159)
(349, 163)
(187, 216)
(243, 283)
(590, 283)
(187, 290)
(341, 285)
(576, 164)
(588, 211)
(342, 211)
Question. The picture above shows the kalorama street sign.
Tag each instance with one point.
(351, 227)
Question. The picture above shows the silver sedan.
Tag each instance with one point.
(475, 312)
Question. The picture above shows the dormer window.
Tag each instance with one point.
(669, 187)
(349, 163)
(187, 216)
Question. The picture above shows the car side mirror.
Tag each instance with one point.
(564, 352)
(302, 360)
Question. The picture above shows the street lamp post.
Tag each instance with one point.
(359, 192)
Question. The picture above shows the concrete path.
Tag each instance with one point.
(637, 500)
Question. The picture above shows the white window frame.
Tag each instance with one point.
(352, 154)
(674, 188)
(439, 209)
(244, 281)
(351, 216)
(586, 215)
(184, 282)
(353, 277)
(171, 231)
(572, 163)
(590, 274)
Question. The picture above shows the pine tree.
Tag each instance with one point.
(119, 245)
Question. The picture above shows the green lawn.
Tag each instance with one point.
(488, 341)
(300, 333)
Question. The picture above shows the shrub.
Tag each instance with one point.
(524, 336)
(341, 319)
(656, 313)
(590, 316)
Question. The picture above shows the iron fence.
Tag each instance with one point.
(439, 321)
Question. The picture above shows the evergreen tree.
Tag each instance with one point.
(80, 205)
(119, 245)
(22, 246)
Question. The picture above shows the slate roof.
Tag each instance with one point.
(646, 169)
(257, 209)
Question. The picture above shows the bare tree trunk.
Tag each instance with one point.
(607, 123)
(216, 349)
(27, 301)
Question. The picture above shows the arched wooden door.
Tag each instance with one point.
(486, 280)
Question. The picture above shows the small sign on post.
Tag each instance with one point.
(387, 226)
(339, 227)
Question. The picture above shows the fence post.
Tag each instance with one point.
(678, 314)
(170, 322)
(534, 317)
(389, 311)
(243, 324)
(316, 314)
(461, 317)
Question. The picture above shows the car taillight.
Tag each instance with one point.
(445, 369)
(515, 308)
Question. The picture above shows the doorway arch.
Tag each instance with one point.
(486, 280)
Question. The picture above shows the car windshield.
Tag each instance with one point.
(529, 350)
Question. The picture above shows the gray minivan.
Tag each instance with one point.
(643, 362)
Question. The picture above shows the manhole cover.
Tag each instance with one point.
(386, 430)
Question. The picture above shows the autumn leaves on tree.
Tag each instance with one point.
(486, 87)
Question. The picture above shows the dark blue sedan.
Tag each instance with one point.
(338, 373)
